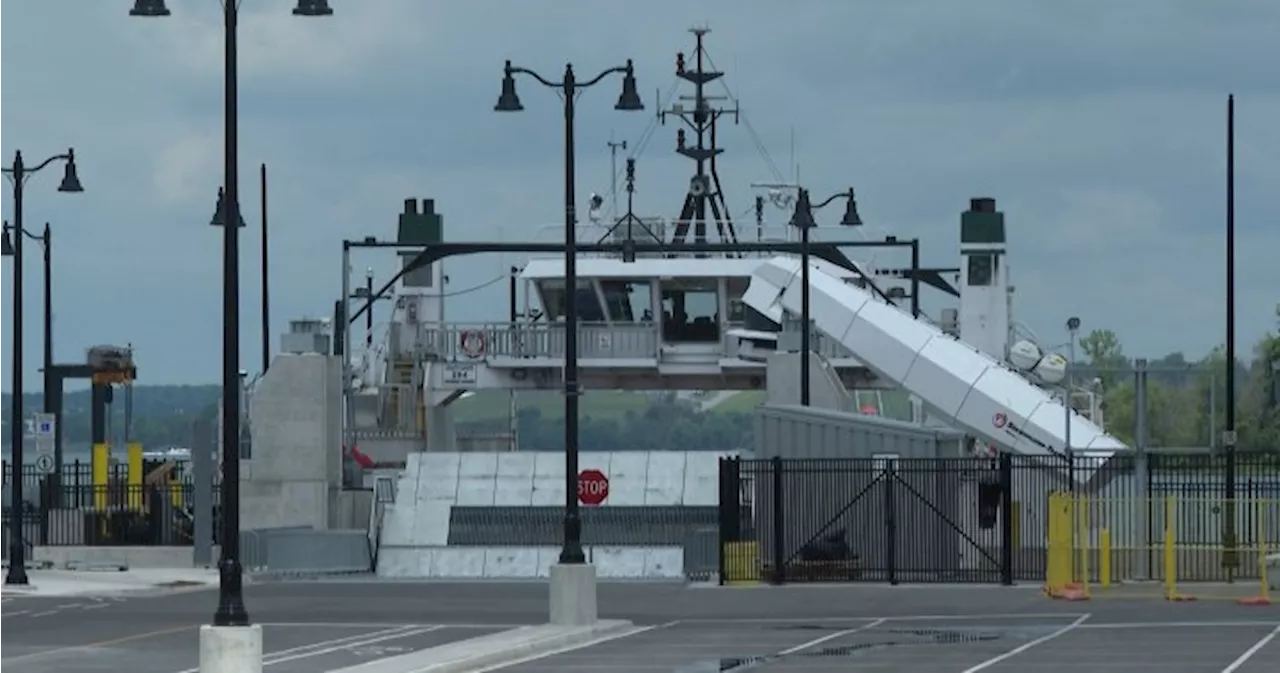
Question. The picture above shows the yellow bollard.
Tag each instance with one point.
(101, 467)
(134, 497)
(1051, 578)
(742, 562)
(1104, 557)
(1082, 537)
(1170, 551)
(1058, 572)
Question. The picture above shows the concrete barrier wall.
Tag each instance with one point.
(415, 532)
(132, 557)
(526, 562)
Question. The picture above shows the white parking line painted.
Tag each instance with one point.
(273, 659)
(1102, 626)
(888, 618)
(578, 646)
(46, 613)
(325, 646)
(1026, 646)
(1248, 654)
(830, 636)
(15, 613)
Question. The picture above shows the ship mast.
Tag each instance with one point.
(705, 196)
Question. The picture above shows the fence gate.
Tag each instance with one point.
(880, 519)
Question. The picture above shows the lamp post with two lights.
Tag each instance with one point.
(802, 219)
(231, 609)
(569, 86)
(18, 173)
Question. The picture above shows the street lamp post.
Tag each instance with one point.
(803, 220)
(18, 174)
(1073, 330)
(231, 610)
(571, 552)
(46, 243)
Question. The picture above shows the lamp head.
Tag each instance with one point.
(6, 243)
(851, 217)
(802, 217)
(70, 180)
(149, 8)
(220, 211)
(313, 8)
(508, 101)
(630, 99)
(1073, 324)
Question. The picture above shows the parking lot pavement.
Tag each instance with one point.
(288, 648)
(931, 645)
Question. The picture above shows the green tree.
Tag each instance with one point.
(1105, 355)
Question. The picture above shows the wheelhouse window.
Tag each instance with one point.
(553, 300)
(982, 269)
(628, 301)
(737, 288)
(742, 314)
(690, 310)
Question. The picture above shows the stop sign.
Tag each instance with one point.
(593, 487)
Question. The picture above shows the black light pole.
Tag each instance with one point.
(231, 610)
(46, 243)
(18, 174)
(1229, 434)
(571, 552)
(266, 276)
(803, 220)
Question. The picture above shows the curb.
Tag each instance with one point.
(455, 658)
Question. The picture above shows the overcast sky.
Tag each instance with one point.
(1097, 125)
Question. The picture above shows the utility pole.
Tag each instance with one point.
(613, 161)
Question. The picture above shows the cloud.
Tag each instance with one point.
(1098, 126)
(183, 167)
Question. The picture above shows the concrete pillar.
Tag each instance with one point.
(231, 649)
(573, 595)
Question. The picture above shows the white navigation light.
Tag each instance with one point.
(1025, 355)
(1052, 368)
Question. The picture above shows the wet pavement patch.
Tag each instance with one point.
(919, 637)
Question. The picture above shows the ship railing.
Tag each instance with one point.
(467, 342)
(400, 407)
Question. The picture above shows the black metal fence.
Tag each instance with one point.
(113, 515)
(78, 473)
(944, 520)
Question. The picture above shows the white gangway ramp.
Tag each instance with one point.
(953, 379)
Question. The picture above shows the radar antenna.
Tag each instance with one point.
(704, 192)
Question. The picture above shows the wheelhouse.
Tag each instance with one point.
(691, 301)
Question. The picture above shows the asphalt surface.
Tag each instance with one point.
(318, 625)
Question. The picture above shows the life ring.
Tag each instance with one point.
(473, 345)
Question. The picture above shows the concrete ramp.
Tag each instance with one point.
(649, 492)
